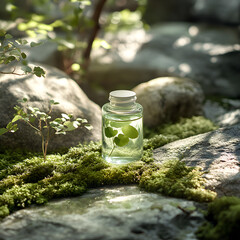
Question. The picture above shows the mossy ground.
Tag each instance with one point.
(27, 179)
(223, 220)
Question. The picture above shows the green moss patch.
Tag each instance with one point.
(223, 220)
(31, 180)
(185, 127)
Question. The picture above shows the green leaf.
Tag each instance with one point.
(52, 102)
(8, 36)
(110, 132)
(121, 140)
(118, 124)
(32, 119)
(9, 126)
(71, 125)
(14, 128)
(130, 131)
(3, 130)
(22, 41)
(23, 55)
(64, 115)
(9, 59)
(39, 72)
(2, 32)
(88, 127)
(34, 44)
(16, 118)
(20, 101)
(26, 69)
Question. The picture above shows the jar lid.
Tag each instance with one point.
(122, 97)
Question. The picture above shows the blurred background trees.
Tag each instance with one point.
(73, 25)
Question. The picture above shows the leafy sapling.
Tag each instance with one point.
(45, 127)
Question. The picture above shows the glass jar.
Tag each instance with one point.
(122, 128)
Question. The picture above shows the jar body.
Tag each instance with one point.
(122, 133)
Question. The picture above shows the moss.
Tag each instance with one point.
(184, 128)
(223, 220)
(31, 180)
(174, 178)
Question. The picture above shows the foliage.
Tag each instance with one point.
(72, 25)
(223, 220)
(35, 181)
(11, 52)
(44, 126)
(122, 133)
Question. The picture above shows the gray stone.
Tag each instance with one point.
(224, 112)
(115, 213)
(166, 11)
(57, 86)
(168, 99)
(216, 152)
(211, 11)
(208, 54)
(221, 11)
(46, 53)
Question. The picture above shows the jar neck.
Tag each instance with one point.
(122, 99)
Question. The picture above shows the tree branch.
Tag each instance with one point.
(13, 72)
(96, 15)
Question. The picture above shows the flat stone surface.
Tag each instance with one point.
(114, 213)
(216, 152)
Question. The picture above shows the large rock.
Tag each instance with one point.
(209, 54)
(167, 99)
(223, 112)
(217, 153)
(221, 11)
(107, 214)
(212, 11)
(165, 11)
(57, 86)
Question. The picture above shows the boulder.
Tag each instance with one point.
(57, 86)
(211, 11)
(216, 152)
(223, 112)
(168, 99)
(165, 11)
(221, 11)
(208, 54)
(111, 213)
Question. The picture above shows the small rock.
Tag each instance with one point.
(167, 99)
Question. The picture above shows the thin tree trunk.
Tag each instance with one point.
(96, 15)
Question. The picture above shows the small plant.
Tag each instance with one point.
(45, 127)
(127, 132)
(10, 51)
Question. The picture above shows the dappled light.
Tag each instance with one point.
(119, 119)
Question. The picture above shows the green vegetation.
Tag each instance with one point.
(223, 217)
(11, 52)
(28, 179)
(44, 126)
(184, 128)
